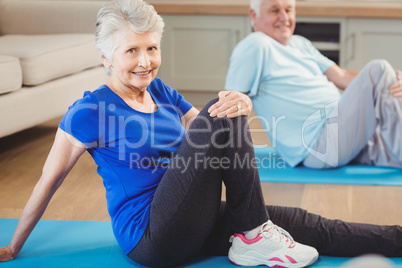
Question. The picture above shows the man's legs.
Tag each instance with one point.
(369, 123)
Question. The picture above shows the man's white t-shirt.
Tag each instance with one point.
(290, 93)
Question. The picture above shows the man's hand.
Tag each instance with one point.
(396, 88)
(231, 104)
(7, 254)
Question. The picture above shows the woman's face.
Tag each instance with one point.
(136, 60)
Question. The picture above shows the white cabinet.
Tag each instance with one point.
(326, 34)
(196, 50)
(369, 39)
(362, 40)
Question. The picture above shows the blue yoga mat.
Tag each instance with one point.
(92, 244)
(273, 169)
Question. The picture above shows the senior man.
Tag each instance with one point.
(295, 93)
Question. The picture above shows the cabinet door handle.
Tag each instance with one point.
(351, 49)
(235, 37)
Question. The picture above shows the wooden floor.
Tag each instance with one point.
(82, 196)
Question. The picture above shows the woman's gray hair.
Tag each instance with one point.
(118, 15)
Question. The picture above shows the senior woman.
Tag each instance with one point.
(163, 162)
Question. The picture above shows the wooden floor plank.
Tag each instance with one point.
(82, 195)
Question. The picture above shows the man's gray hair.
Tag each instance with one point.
(118, 15)
(255, 5)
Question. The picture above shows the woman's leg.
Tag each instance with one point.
(335, 237)
(368, 118)
(329, 237)
(186, 204)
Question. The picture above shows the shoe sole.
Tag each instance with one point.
(246, 260)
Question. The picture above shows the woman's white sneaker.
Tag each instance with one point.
(273, 247)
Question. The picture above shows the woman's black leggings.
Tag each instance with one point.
(187, 216)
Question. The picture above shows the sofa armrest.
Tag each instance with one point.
(48, 17)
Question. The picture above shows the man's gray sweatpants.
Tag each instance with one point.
(366, 125)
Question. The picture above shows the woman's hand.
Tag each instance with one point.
(62, 157)
(7, 254)
(231, 104)
(396, 88)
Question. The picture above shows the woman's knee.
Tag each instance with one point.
(226, 122)
(204, 110)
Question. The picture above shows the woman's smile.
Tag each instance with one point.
(136, 61)
(143, 73)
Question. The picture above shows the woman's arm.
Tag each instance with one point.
(189, 117)
(231, 104)
(64, 154)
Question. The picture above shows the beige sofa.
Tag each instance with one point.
(47, 59)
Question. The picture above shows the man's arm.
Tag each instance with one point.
(396, 88)
(340, 77)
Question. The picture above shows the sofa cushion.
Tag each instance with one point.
(10, 74)
(48, 17)
(47, 57)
